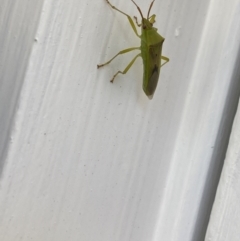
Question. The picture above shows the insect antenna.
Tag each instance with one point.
(150, 9)
(138, 9)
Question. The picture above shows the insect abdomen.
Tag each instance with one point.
(152, 61)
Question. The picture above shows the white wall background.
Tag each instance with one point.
(225, 218)
(18, 24)
(83, 159)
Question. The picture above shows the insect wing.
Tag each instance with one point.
(152, 69)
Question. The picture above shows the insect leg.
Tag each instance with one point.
(127, 68)
(129, 18)
(138, 24)
(121, 52)
(166, 60)
(152, 19)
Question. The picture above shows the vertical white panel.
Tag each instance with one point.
(225, 217)
(90, 160)
(18, 23)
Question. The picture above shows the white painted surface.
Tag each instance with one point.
(225, 218)
(18, 23)
(89, 160)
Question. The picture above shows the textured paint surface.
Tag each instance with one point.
(225, 217)
(18, 23)
(89, 160)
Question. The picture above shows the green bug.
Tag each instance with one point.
(151, 50)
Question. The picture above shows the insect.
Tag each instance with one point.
(151, 50)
